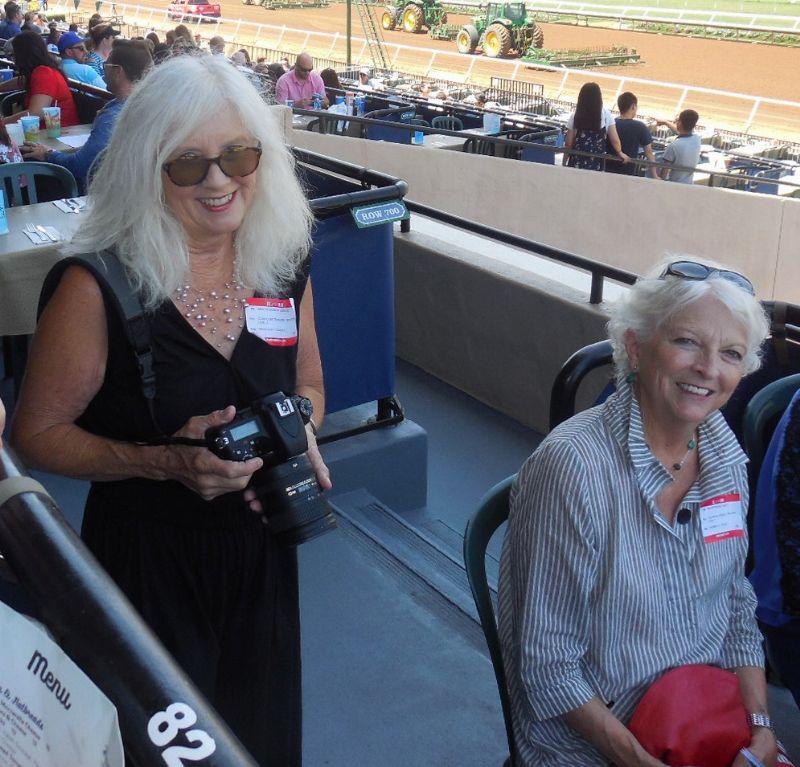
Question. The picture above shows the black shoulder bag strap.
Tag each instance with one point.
(113, 279)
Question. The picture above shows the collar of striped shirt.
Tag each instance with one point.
(717, 446)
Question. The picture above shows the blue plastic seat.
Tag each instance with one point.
(447, 122)
(12, 173)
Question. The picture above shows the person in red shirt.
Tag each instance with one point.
(40, 75)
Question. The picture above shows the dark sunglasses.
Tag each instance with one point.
(237, 161)
(691, 270)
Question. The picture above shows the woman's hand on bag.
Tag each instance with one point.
(202, 471)
(321, 472)
(763, 747)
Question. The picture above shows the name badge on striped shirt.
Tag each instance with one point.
(721, 518)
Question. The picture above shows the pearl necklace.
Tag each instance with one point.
(198, 304)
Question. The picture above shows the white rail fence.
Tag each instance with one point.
(757, 22)
(724, 109)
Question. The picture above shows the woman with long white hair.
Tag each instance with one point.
(197, 198)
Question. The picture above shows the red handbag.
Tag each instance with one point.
(693, 715)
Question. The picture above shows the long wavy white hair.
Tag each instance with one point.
(127, 208)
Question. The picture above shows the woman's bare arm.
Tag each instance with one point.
(65, 371)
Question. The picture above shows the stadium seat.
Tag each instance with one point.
(536, 153)
(475, 145)
(12, 102)
(447, 122)
(491, 514)
(11, 173)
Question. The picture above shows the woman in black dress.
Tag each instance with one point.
(197, 197)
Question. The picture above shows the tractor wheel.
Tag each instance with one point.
(467, 39)
(413, 18)
(387, 21)
(537, 41)
(497, 41)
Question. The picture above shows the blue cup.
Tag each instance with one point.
(419, 137)
(6, 74)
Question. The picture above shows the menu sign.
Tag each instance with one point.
(51, 713)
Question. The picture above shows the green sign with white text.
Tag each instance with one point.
(379, 213)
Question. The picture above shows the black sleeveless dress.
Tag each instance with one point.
(208, 577)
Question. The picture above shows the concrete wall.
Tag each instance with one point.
(495, 331)
(627, 222)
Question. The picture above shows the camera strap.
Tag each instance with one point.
(113, 279)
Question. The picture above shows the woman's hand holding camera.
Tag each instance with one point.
(202, 471)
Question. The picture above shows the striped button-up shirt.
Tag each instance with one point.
(598, 593)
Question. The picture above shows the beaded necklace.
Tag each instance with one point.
(198, 303)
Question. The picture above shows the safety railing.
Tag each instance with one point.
(106, 637)
(599, 272)
(736, 111)
(506, 147)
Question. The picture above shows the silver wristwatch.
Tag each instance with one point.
(760, 720)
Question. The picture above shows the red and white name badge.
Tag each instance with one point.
(272, 320)
(721, 518)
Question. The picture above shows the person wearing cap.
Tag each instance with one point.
(363, 79)
(127, 63)
(73, 60)
(102, 36)
(301, 84)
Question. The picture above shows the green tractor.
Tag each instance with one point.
(503, 28)
(413, 16)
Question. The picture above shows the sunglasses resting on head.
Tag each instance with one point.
(691, 270)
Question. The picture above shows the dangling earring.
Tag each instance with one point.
(631, 377)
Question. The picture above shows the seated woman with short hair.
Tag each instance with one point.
(614, 569)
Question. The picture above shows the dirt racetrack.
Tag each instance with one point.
(754, 69)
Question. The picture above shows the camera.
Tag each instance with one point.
(273, 429)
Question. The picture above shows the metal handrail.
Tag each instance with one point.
(98, 627)
(503, 141)
(598, 271)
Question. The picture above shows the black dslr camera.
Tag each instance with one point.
(273, 429)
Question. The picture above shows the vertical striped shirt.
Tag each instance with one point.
(598, 593)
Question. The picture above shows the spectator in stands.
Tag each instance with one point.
(285, 64)
(239, 60)
(776, 548)
(246, 56)
(94, 20)
(684, 150)
(169, 37)
(634, 137)
(102, 37)
(41, 76)
(333, 87)
(32, 22)
(183, 40)
(589, 127)
(607, 575)
(480, 101)
(217, 45)
(153, 38)
(274, 73)
(11, 26)
(73, 27)
(301, 84)
(364, 82)
(9, 151)
(126, 64)
(73, 58)
(197, 197)
(53, 34)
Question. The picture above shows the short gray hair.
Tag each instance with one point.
(653, 301)
(127, 208)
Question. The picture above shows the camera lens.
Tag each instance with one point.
(293, 503)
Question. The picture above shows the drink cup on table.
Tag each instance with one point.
(6, 74)
(52, 121)
(30, 128)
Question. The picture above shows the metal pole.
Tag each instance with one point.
(349, 32)
(99, 629)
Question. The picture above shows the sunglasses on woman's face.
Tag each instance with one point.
(691, 270)
(236, 161)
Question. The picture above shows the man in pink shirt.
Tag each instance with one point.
(300, 84)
